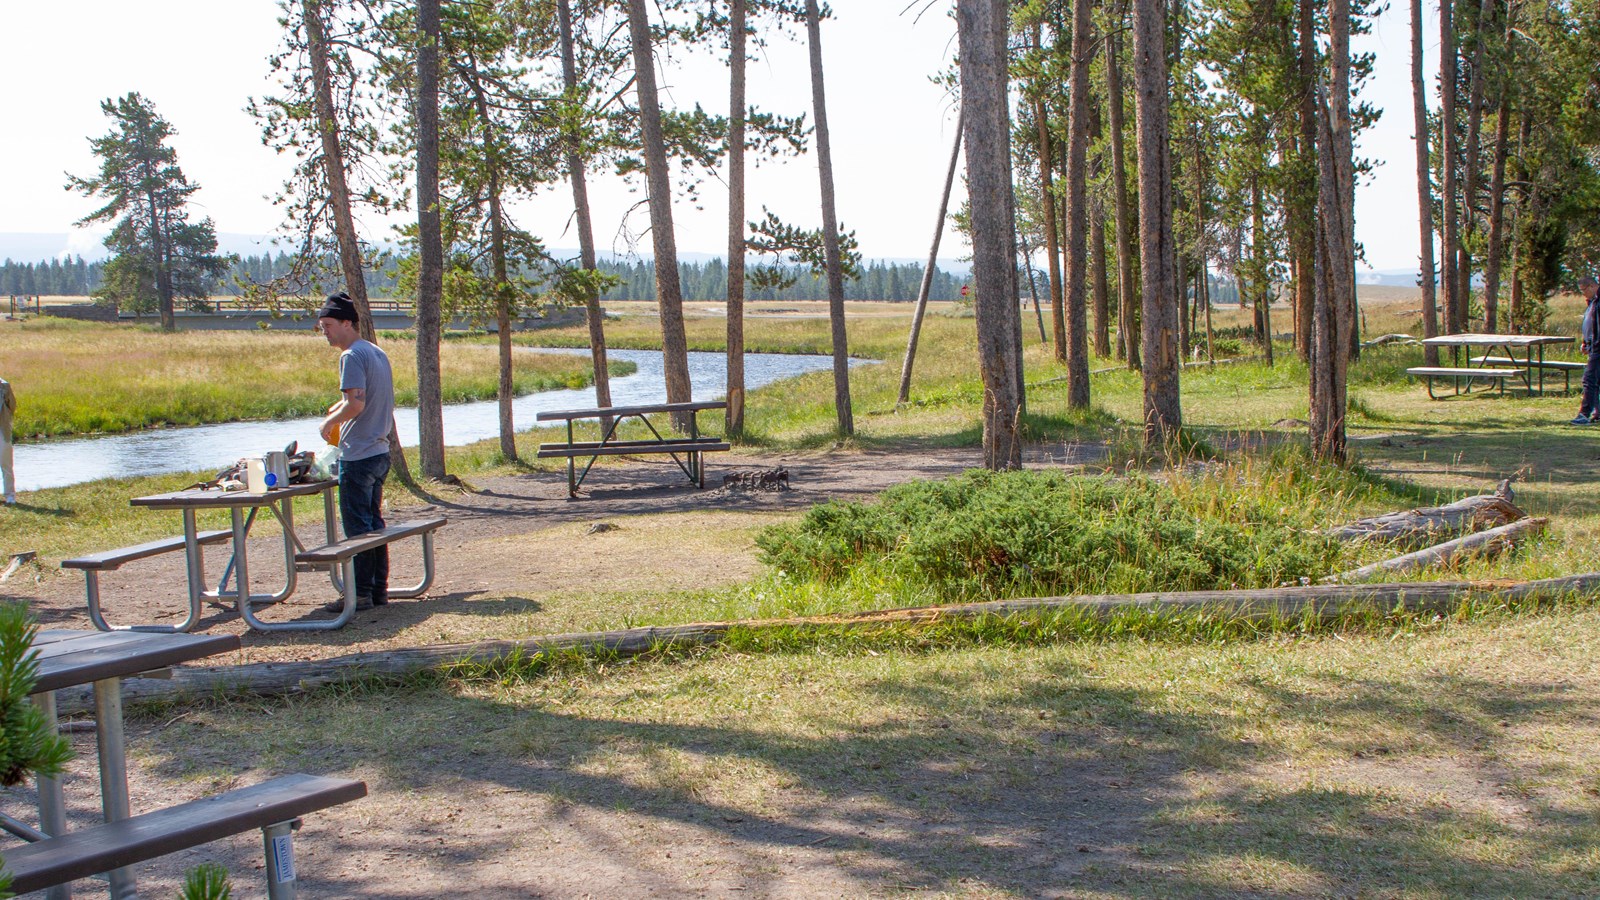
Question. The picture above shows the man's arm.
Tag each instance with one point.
(348, 407)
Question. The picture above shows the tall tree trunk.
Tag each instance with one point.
(1033, 287)
(932, 266)
(1497, 197)
(1127, 317)
(1419, 112)
(1097, 241)
(1471, 156)
(830, 230)
(1048, 200)
(1077, 218)
(577, 172)
(430, 249)
(736, 113)
(1306, 187)
(1455, 313)
(1258, 251)
(669, 290)
(503, 291)
(333, 165)
(1202, 293)
(1163, 415)
(981, 28)
(1102, 287)
(1332, 316)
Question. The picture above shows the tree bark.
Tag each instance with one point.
(736, 128)
(503, 291)
(1097, 244)
(1497, 198)
(1471, 157)
(1033, 287)
(669, 289)
(1455, 313)
(981, 29)
(577, 173)
(430, 249)
(1127, 317)
(1419, 111)
(933, 262)
(333, 165)
(1422, 526)
(830, 230)
(1331, 318)
(1052, 244)
(1306, 190)
(1077, 276)
(1163, 415)
(1258, 249)
(1485, 543)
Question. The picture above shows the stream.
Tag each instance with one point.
(59, 463)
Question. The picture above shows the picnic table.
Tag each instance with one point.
(1521, 356)
(685, 451)
(54, 856)
(71, 658)
(243, 507)
(335, 555)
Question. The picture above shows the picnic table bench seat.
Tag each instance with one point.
(1565, 366)
(629, 448)
(343, 554)
(1457, 375)
(687, 451)
(108, 560)
(111, 560)
(272, 806)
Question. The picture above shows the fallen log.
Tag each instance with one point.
(1314, 601)
(1484, 543)
(1421, 527)
(1388, 338)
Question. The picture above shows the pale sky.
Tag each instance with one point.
(199, 60)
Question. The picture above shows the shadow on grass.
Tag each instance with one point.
(1066, 784)
(1557, 463)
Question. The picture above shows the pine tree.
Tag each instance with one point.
(158, 254)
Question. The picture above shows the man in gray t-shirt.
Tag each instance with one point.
(361, 418)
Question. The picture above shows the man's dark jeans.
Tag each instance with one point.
(361, 508)
(1591, 382)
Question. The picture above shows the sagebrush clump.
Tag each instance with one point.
(989, 534)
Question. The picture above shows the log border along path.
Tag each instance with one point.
(1315, 602)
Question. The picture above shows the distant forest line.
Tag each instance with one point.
(76, 277)
(701, 280)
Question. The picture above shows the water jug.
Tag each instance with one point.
(255, 475)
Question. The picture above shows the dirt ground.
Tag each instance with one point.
(516, 545)
(488, 839)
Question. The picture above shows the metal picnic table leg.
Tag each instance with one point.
(113, 771)
(195, 562)
(241, 560)
(52, 805)
(331, 531)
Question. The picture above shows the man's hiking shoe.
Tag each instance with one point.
(1581, 420)
(337, 606)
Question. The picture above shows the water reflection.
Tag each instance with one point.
(60, 463)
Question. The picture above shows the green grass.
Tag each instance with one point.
(1425, 759)
(82, 377)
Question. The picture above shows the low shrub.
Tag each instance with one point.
(995, 534)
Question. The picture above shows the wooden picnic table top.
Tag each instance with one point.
(1496, 340)
(639, 410)
(196, 498)
(68, 657)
